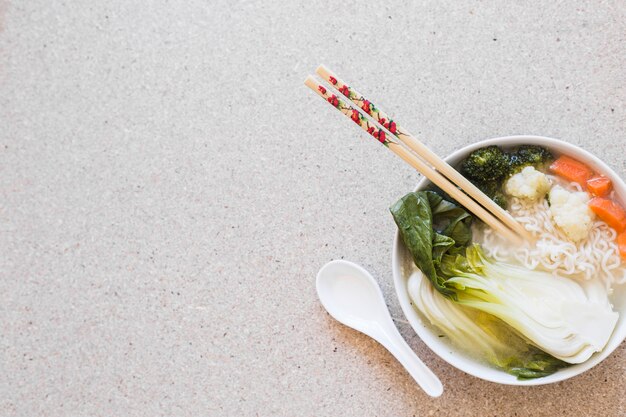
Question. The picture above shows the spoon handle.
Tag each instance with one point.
(395, 343)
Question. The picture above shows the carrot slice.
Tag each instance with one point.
(610, 212)
(621, 244)
(571, 169)
(599, 186)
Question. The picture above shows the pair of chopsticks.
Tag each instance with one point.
(387, 131)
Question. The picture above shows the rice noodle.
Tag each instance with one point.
(595, 256)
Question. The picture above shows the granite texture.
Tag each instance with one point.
(169, 189)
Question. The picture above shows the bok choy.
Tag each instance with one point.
(552, 320)
(480, 334)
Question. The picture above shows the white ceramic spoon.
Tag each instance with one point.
(352, 296)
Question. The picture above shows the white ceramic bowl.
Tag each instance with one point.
(401, 261)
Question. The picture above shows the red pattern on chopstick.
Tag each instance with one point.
(349, 111)
(363, 103)
(419, 157)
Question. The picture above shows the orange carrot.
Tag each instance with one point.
(599, 185)
(571, 169)
(621, 244)
(610, 212)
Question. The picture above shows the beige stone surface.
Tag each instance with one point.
(169, 189)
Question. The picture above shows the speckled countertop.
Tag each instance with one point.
(169, 189)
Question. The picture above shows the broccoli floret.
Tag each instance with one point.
(490, 187)
(486, 164)
(529, 155)
(488, 167)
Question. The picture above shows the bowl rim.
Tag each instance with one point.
(461, 361)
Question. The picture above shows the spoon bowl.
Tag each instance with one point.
(350, 294)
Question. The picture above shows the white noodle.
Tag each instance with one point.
(595, 256)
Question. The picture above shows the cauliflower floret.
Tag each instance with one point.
(571, 213)
(528, 184)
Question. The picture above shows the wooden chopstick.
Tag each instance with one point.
(408, 156)
(422, 151)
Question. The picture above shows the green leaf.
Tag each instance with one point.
(432, 227)
(534, 364)
(450, 219)
(441, 245)
(413, 217)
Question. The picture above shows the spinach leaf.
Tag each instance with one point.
(414, 218)
(432, 227)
